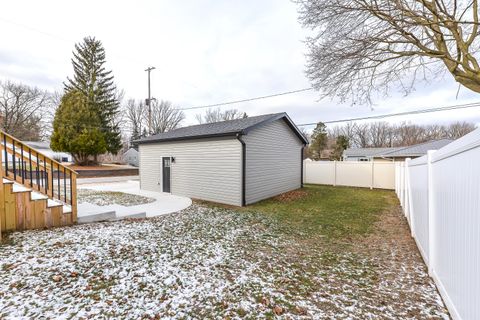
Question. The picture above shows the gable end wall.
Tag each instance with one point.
(273, 161)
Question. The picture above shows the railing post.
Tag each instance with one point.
(51, 182)
(73, 187)
(2, 197)
(5, 152)
(431, 214)
(13, 160)
(30, 167)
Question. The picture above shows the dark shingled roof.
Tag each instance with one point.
(223, 128)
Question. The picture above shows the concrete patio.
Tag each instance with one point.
(163, 203)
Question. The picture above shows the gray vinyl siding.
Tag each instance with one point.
(273, 161)
(207, 169)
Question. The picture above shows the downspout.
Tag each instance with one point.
(244, 166)
(301, 165)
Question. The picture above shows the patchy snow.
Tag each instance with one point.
(105, 198)
(163, 203)
(203, 263)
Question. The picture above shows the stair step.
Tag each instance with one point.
(6, 181)
(38, 196)
(19, 188)
(53, 203)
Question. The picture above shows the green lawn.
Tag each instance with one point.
(331, 212)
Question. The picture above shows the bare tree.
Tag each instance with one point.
(366, 46)
(135, 118)
(216, 115)
(362, 135)
(165, 117)
(459, 129)
(409, 134)
(23, 109)
(383, 134)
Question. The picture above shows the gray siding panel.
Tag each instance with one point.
(273, 161)
(207, 169)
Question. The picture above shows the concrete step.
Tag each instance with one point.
(130, 215)
(88, 217)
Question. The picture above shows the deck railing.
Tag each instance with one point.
(37, 171)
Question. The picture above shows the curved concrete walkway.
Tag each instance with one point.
(165, 202)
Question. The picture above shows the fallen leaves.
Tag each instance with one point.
(291, 196)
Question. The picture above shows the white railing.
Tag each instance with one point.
(440, 195)
(373, 174)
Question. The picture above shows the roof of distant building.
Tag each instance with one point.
(408, 151)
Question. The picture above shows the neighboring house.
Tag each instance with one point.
(131, 157)
(44, 147)
(235, 162)
(393, 154)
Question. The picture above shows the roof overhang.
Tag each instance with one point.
(284, 116)
(204, 136)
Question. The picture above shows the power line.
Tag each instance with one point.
(446, 108)
(247, 100)
(294, 91)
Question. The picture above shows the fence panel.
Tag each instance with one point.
(354, 174)
(351, 173)
(418, 199)
(440, 194)
(384, 175)
(320, 172)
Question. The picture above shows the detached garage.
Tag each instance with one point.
(234, 162)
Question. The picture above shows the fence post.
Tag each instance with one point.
(373, 175)
(431, 214)
(335, 173)
(408, 197)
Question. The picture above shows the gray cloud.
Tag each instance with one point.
(205, 52)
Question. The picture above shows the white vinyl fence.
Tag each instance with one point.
(440, 195)
(351, 173)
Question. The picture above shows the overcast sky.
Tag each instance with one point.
(205, 52)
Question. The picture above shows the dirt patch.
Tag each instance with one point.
(291, 196)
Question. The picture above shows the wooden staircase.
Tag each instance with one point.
(36, 192)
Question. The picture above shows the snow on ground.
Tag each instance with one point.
(104, 198)
(130, 198)
(204, 263)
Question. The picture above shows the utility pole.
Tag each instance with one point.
(148, 101)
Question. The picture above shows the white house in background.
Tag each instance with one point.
(44, 147)
(393, 154)
(131, 157)
(235, 162)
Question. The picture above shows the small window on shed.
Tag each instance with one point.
(167, 163)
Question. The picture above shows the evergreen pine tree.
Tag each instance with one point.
(76, 129)
(319, 140)
(96, 83)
